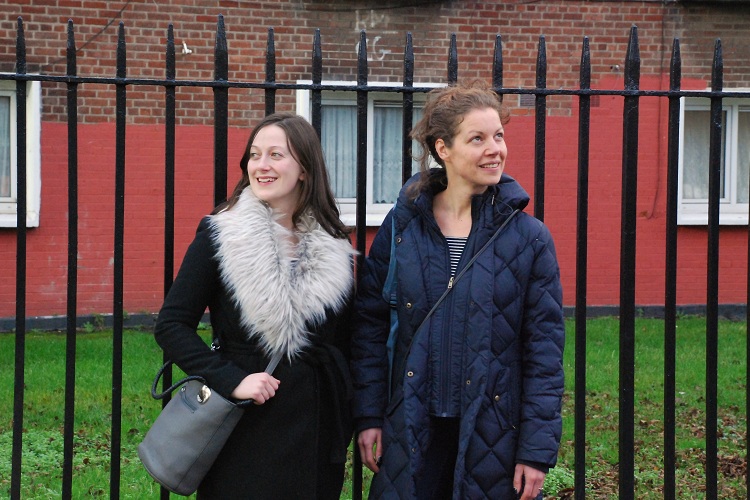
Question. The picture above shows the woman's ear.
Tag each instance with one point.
(441, 149)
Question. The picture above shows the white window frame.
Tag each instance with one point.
(731, 212)
(8, 205)
(375, 212)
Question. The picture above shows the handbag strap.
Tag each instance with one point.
(454, 280)
(389, 287)
(161, 395)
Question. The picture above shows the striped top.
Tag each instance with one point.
(455, 249)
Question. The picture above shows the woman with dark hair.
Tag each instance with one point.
(273, 265)
(467, 403)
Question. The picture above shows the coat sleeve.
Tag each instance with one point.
(369, 364)
(543, 343)
(196, 284)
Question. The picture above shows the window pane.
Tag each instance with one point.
(386, 154)
(339, 140)
(388, 129)
(743, 156)
(5, 147)
(695, 155)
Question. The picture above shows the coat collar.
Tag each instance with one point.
(491, 207)
(280, 289)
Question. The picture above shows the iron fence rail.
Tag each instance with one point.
(631, 95)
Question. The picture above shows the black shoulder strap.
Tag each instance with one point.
(453, 282)
(459, 275)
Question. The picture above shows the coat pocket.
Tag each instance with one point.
(504, 394)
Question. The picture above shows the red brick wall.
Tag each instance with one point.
(475, 23)
(564, 24)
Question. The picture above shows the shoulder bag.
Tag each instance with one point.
(190, 431)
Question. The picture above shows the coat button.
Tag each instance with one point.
(413, 450)
(408, 305)
(410, 373)
(468, 382)
(398, 239)
(497, 397)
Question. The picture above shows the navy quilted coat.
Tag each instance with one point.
(509, 308)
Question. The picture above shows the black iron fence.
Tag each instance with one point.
(631, 95)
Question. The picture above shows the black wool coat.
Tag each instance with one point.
(294, 445)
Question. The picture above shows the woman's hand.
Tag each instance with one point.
(371, 447)
(260, 387)
(532, 480)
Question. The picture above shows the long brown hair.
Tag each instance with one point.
(316, 195)
(444, 111)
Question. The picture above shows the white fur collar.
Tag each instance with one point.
(277, 297)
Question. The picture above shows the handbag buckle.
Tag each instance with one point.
(203, 394)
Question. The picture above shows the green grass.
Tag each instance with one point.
(44, 404)
(602, 398)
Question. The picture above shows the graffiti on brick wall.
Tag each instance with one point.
(369, 21)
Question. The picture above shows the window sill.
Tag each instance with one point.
(10, 220)
(701, 219)
(371, 220)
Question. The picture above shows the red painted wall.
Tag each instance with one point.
(144, 207)
(144, 216)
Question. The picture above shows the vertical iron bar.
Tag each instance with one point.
(712, 287)
(540, 129)
(497, 66)
(221, 113)
(169, 162)
(117, 309)
(584, 133)
(361, 205)
(169, 193)
(670, 277)
(408, 107)
(361, 147)
(20, 340)
(453, 61)
(72, 303)
(627, 268)
(317, 78)
(270, 73)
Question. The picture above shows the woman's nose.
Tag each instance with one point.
(263, 163)
(494, 148)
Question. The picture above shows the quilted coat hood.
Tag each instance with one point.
(506, 196)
